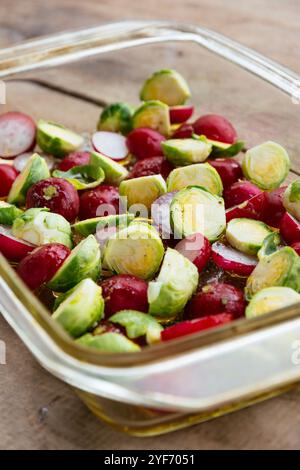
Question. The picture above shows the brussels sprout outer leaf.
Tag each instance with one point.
(113, 171)
(291, 199)
(138, 324)
(8, 213)
(270, 245)
(222, 149)
(83, 176)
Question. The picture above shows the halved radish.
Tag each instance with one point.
(14, 249)
(185, 131)
(239, 192)
(194, 326)
(296, 247)
(179, 114)
(17, 134)
(110, 144)
(21, 160)
(231, 260)
(251, 209)
(290, 228)
(196, 248)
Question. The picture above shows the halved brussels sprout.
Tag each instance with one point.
(167, 86)
(182, 152)
(80, 308)
(56, 139)
(90, 226)
(136, 250)
(109, 342)
(199, 174)
(83, 262)
(282, 268)
(35, 170)
(8, 213)
(114, 172)
(138, 324)
(270, 245)
(174, 286)
(194, 210)
(116, 117)
(266, 165)
(153, 114)
(143, 190)
(270, 299)
(39, 226)
(247, 235)
(291, 199)
(222, 149)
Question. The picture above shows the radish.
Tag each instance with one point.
(110, 144)
(196, 248)
(21, 160)
(251, 209)
(14, 249)
(74, 159)
(17, 134)
(99, 201)
(231, 260)
(189, 327)
(229, 170)
(274, 209)
(240, 192)
(8, 175)
(151, 166)
(185, 131)
(160, 213)
(215, 127)
(290, 228)
(144, 143)
(296, 247)
(179, 114)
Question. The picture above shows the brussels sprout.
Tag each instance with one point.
(247, 235)
(80, 308)
(83, 262)
(136, 250)
(153, 114)
(114, 172)
(35, 170)
(174, 286)
(269, 299)
(143, 190)
(167, 86)
(8, 213)
(199, 174)
(83, 176)
(266, 165)
(57, 140)
(222, 149)
(90, 226)
(282, 268)
(109, 342)
(39, 226)
(270, 245)
(116, 117)
(291, 199)
(194, 209)
(182, 152)
(138, 324)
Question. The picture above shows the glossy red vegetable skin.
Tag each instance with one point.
(215, 298)
(8, 175)
(239, 192)
(17, 134)
(179, 114)
(41, 264)
(185, 131)
(57, 194)
(123, 292)
(189, 327)
(196, 248)
(230, 170)
(215, 127)
(290, 229)
(144, 143)
(12, 248)
(231, 260)
(100, 201)
(74, 159)
(251, 209)
(296, 247)
(274, 209)
(151, 166)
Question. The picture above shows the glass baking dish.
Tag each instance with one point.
(68, 78)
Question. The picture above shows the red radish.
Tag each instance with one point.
(123, 292)
(57, 194)
(189, 327)
(229, 170)
(196, 248)
(145, 143)
(215, 298)
(74, 159)
(215, 127)
(100, 201)
(184, 132)
(179, 114)
(17, 134)
(290, 229)
(151, 166)
(251, 209)
(239, 192)
(20, 161)
(274, 210)
(8, 175)
(231, 260)
(296, 247)
(39, 266)
(14, 249)
(110, 144)
(160, 213)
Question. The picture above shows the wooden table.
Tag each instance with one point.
(39, 412)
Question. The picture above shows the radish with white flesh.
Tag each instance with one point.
(291, 199)
(110, 144)
(17, 134)
(290, 228)
(251, 209)
(12, 248)
(196, 248)
(270, 299)
(179, 114)
(247, 235)
(21, 161)
(233, 261)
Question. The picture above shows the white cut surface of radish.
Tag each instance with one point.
(110, 144)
